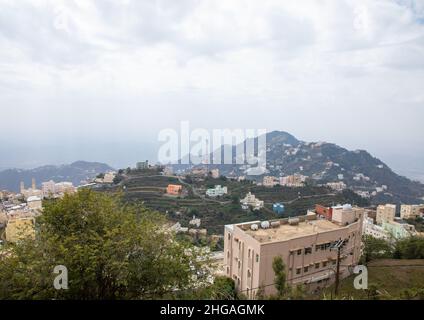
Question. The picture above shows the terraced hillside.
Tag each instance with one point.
(148, 187)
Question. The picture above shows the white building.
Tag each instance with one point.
(251, 201)
(34, 203)
(218, 191)
(376, 231)
(109, 177)
(337, 186)
(195, 222)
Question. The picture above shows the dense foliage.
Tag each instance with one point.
(111, 251)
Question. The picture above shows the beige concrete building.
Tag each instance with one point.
(304, 244)
(408, 211)
(385, 213)
(270, 181)
(20, 228)
(215, 173)
(295, 180)
(250, 201)
(109, 177)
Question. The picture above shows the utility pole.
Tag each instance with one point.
(337, 246)
(336, 289)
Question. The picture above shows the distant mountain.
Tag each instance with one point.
(326, 162)
(75, 172)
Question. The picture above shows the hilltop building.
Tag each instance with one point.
(250, 201)
(337, 186)
(217, 191)
(174, 189)
(142, 165)
(295, 180)
(215, 173)
(270, 181)
(109, 177)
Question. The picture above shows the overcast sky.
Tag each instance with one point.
(97, 80)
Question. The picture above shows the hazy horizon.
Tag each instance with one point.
(97, 81)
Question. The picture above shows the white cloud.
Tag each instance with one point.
(124, 63)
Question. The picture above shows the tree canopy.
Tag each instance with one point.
(111, 251)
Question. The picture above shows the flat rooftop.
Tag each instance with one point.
(286, 232)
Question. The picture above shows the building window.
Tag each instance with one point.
(229, 236)
(308, 250)
(228, 270)
(228, 254)
(334, 262)
(299, 252)
(257, 257)
(249, 274)
(305, 269)
(248, 253)
(239, 264)
(317, 265)
(298, 270)
(324, 264)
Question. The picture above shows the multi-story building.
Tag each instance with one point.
(376, 231)
(386, 213)
(251, 201)
(142, 165)
(34, 203)
(337, 186)
(48, 188)
(218, 191)
(399, 229)
(305, 244)
(408, 211)
(51, 189)
(270, 181)
(296, 180)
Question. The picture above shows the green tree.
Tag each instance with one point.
(111, 251)
(375, 249)
(280, 275)
(409, 248)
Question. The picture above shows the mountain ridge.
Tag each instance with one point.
(75, 172)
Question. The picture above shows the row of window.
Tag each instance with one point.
(317, 265)
(318, 247)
